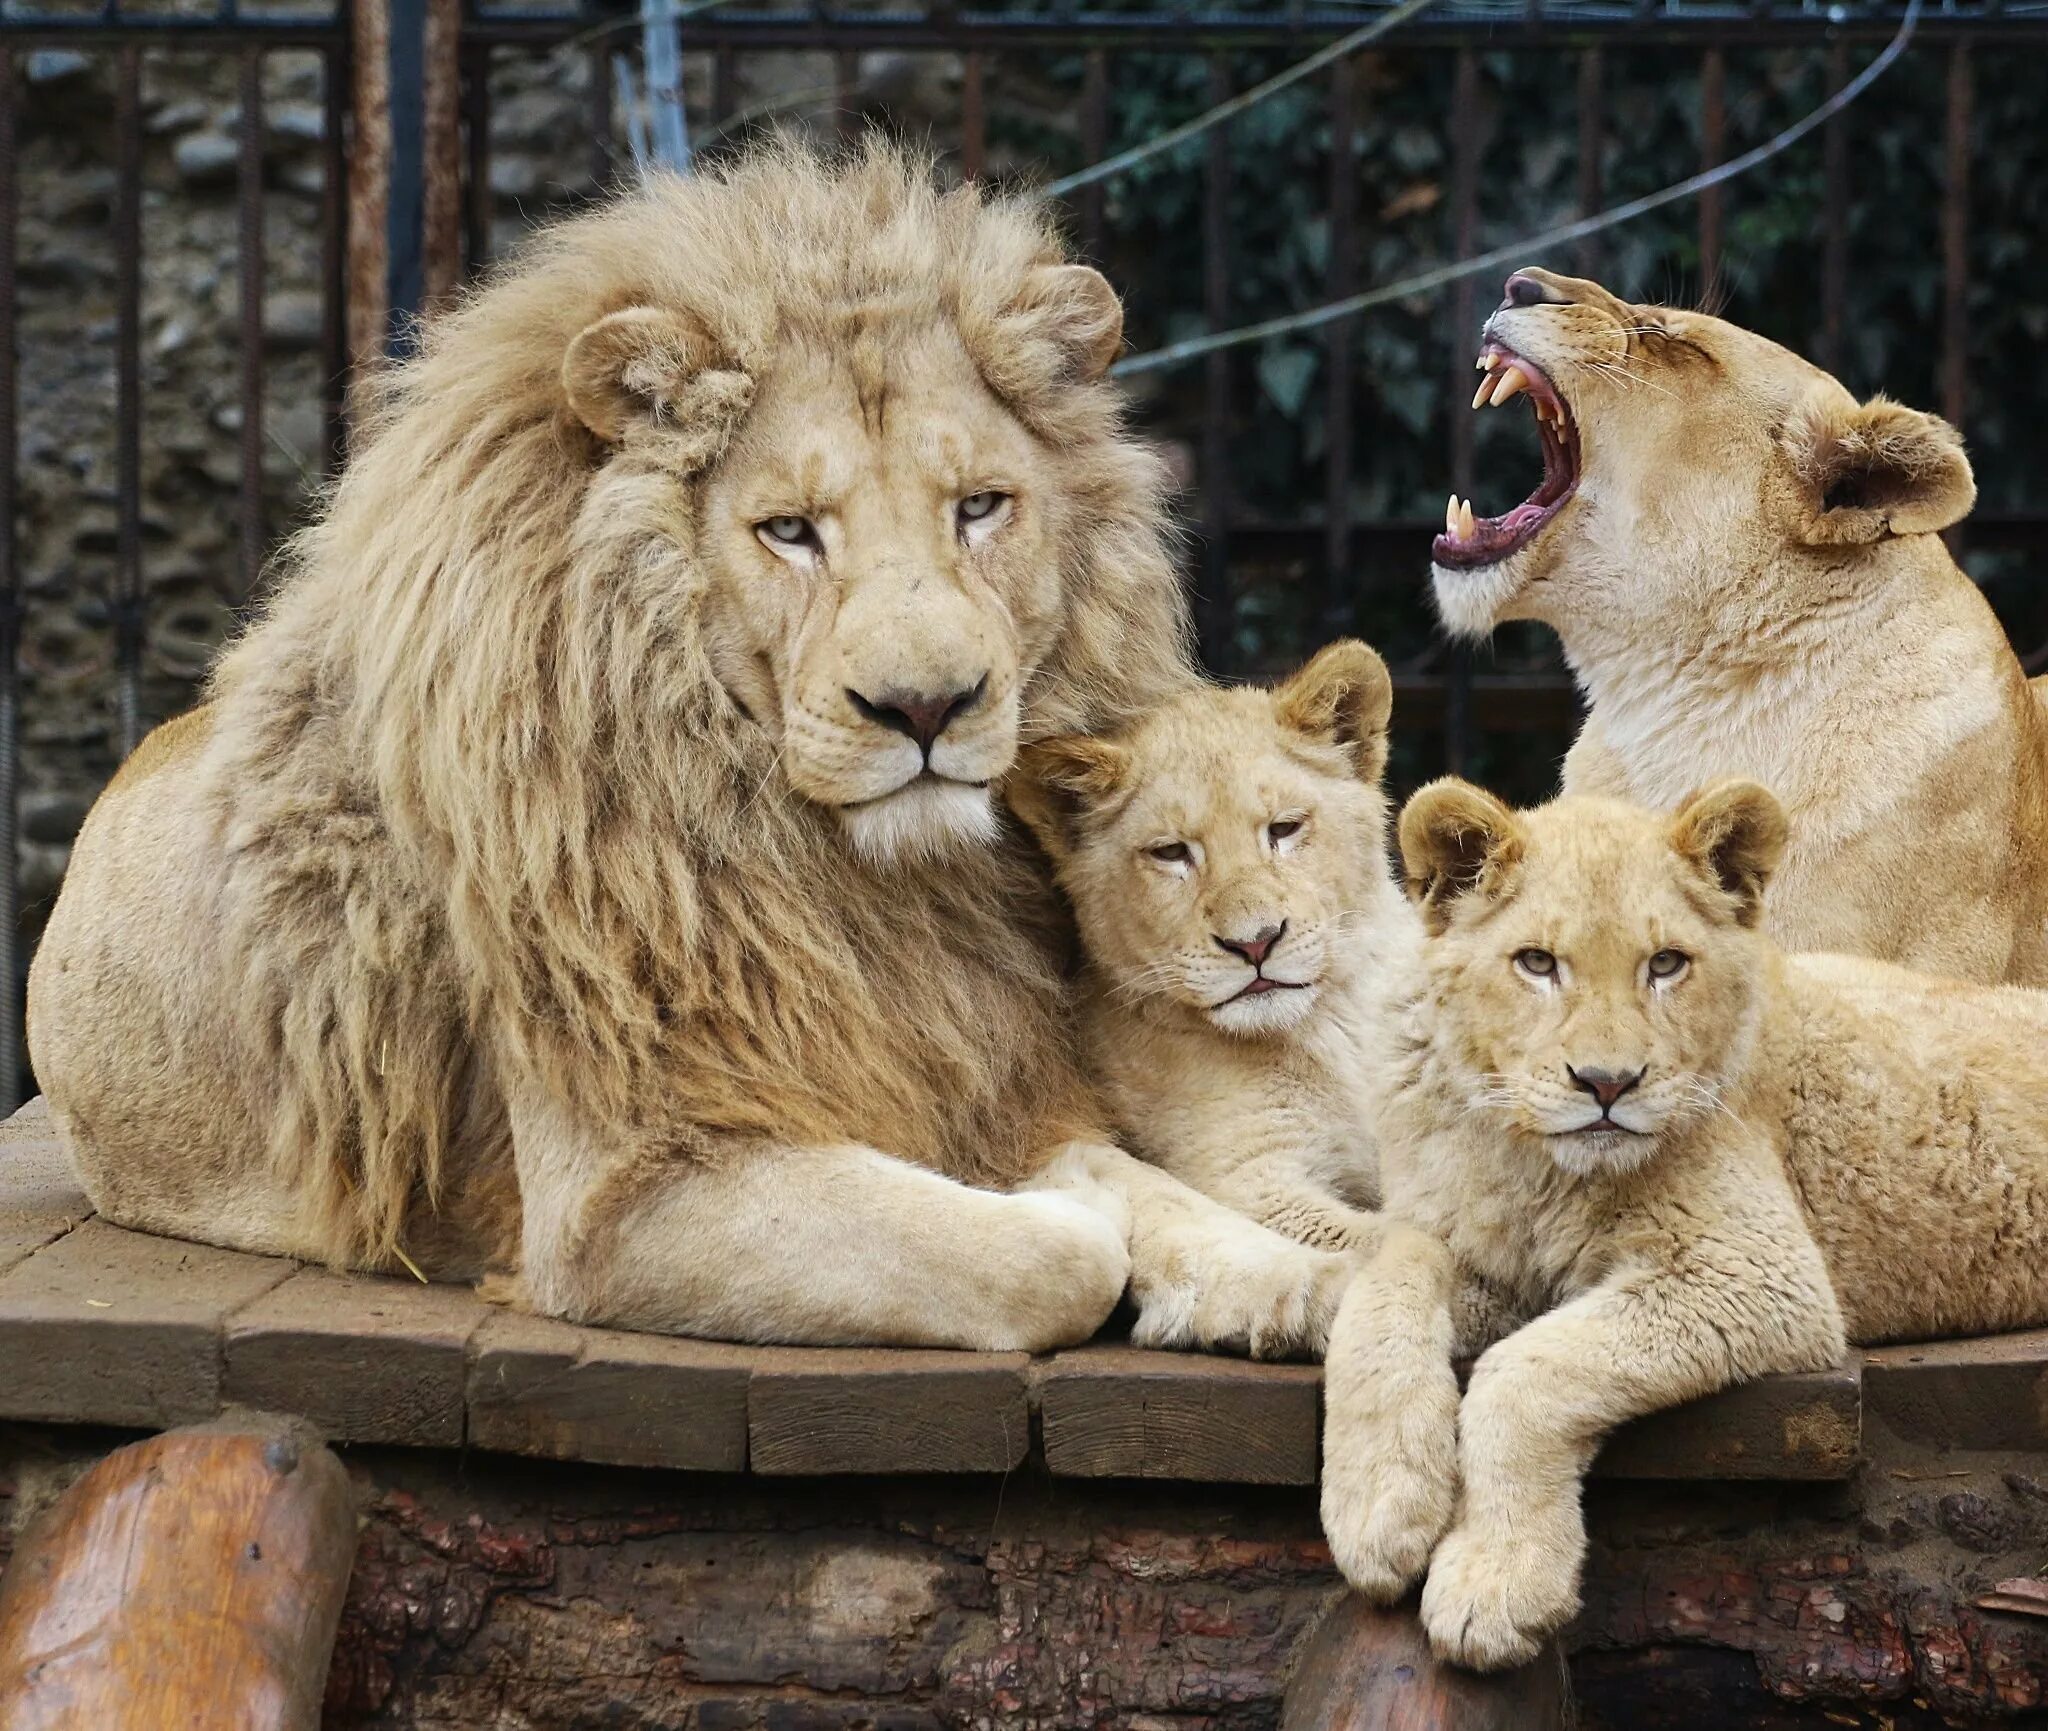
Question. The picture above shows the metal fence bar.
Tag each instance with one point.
(249, 256)
(476, 149)
(1713, 136)
(1465, 147)
(603, 166)
(1338, 610)
(1215, 611)
(1592, 152)
(973, 117)
(1834, 255)
(1955, 241)
(1094, 145)
(10, 611)
(127, 597)
(334, 77)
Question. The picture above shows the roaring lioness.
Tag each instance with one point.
(587, 868)
(1745, 567)
(1693, 1158)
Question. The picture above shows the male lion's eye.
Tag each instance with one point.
(787, 532)
(979, 507)
(1538, 964)
(1668, 964)
(1171, 852)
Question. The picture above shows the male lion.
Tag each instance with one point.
(1694, 1158)
(587, 865)
(1745, 567)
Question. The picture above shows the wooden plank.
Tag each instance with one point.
(1784, 1427)
(40, 1199)
(539, 1387)
(113, 1327)
(1120, 1412)
(192, 1579)
(1368, 1669)
(365, 1358)
(858, 1411)
(1989, 1393)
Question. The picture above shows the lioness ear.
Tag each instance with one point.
(648, 366)
(1057, 782)
(1342, 697)
(1875, 470)
(1457, 840)
(1735, 834)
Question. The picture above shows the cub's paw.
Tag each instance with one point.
(1237, 1288)
(1072, 1267)
(1388, 1496)
(1496, 1594)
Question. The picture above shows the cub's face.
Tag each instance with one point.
(1215, 852)
(1595, 970)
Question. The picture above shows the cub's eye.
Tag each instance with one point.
(787, 531)
(1668, 964)
(1282, 827)
(1171, 852)
(1537, 964)
(976, 506)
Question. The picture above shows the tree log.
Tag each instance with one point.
(192, 1579)
(1365, 1669)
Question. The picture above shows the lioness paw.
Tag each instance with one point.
(1496, 1594)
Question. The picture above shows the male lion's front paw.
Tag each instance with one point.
(1387, 1499)
(1496, 1594)
(1073, 1266)
(1238, 1288)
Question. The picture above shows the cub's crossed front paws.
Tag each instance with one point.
(1235, 1287)
(1390, 1488)
(1497, 1593)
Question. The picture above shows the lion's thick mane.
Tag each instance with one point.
(478, 722)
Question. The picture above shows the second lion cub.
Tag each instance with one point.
(1226, 861)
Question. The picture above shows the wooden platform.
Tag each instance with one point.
(104, 1326)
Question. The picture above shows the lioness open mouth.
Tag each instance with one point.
(1469, 542)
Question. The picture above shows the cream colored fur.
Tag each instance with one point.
(1750, 581)
(1764, 1193)
(555, 880)
(1230, 816)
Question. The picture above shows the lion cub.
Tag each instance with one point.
(1702, 1158)
(1225, 859)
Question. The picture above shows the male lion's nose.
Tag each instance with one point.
(919, 716)
(1258, 947)
(1606, 1086)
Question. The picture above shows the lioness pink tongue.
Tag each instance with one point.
(1469, 540)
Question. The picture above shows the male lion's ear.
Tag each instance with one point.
(1877, 469)
(1734, 833)
(1069, 312)
(1057, 782)
(650, 366)
(1457, 840)
(1342, 697)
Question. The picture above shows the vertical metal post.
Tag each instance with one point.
(1592, 148)
(973, 117)
(249, 257)
(1713, 134)
(1214, 612)
(10, 620)
(476, 189)
(127, 597)
(1339, 599)
(602, 162)
(1955, 241)
(1834, 253)
(1094, 145)
(1465, 149)
(334, 269)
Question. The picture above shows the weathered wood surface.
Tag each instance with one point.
(98, 1325)
(194, 1579)
(1368, 1669)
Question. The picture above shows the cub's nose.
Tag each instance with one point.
(918, 716)
(1256, 948)
(1606, 1086)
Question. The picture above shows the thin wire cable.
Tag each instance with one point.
(1193, 348)
(1111, 166)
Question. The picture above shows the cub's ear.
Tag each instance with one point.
(1342, 697)
(1457, 841)
(1734, 833)
(651, 367)
(1874, 470)
(1057, 782)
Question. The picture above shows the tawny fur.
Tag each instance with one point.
(1750, 581)
(533, 892)
(1255, 1100)
(1763, 1196)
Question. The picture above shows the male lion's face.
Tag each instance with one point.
(877, 540)
(1680, 454)
(1595, 970)
(1215, 852)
